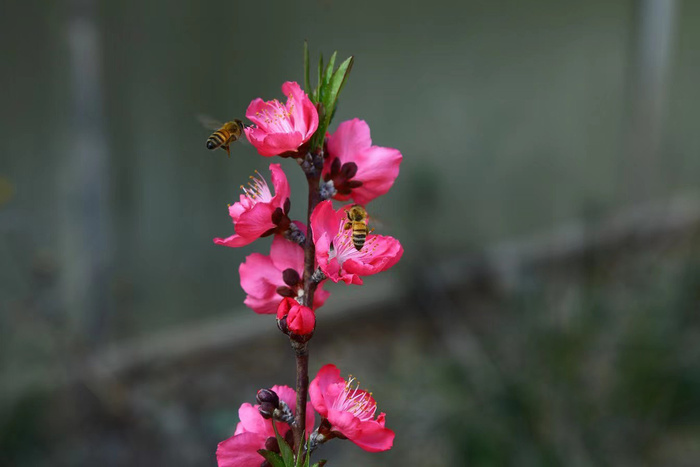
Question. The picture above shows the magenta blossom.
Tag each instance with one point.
(337, 256)
(349, 410)
(259, 212)
(301, 319)
(252, 432)
(281, 128)
(357, 169)
(268, 279)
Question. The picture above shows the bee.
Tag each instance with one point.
(357, 221)
(224, 134)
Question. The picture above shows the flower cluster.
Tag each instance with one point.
(338, 244)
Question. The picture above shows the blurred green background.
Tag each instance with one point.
(546, 309)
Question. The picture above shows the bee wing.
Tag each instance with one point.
(374, 223)
(208, 122)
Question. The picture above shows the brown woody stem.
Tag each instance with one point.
(313, 176)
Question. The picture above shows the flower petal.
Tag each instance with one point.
(252, 421)
(351, 137)
(327, 375)
(241, 451)
(374, 437)
(286, 254)
(279, 182)
(259, 276)
(303, 112)
(344, 422)
(234, 241)
(289, 396)
(256, 221)
(377, 169)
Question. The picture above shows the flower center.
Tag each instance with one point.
(343, 247)
(257, 189)
(356, 401)
(277, 115)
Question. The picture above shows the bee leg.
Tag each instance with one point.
(347, 225)
(228, 151)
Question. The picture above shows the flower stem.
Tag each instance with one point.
(313, 177)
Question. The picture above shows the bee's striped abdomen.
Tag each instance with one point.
(359, 234)
(216, 139)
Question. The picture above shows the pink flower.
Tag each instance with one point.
(241, 450)
(258, 212)
(359, 170)
(268, 279)
(281, 128)
(301, 319)
(350, 410)
(337, 256)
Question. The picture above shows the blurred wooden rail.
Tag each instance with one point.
(504, 262)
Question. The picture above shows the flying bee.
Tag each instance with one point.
(357, 221)
(224, 134)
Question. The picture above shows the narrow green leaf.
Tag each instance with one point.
(334, 87)
(307, 86)
(285, 450)
(339, 78)
(329, 69)
(320, 78)
(272, 457)
(329, 88)
(300, 461)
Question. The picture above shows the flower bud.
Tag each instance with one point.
(301, 320)
(267, 395)
(285, 305)
(271, 444)
(266, 409)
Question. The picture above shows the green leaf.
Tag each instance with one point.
(329, 98)
(272, 457)
(285, 450)
(307, 85)
(329, 69)
(302, 462)
(317, 92)
(335, 85)
(320, 463)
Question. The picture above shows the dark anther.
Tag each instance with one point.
(348, 170)
(290, 277)
(287, 205)
(285, 291)
(269, 232)
(335, 167)
(271, 444)
(354, 183)
(325, 427)
(267, 395)
(277, 216)
(289, 438)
